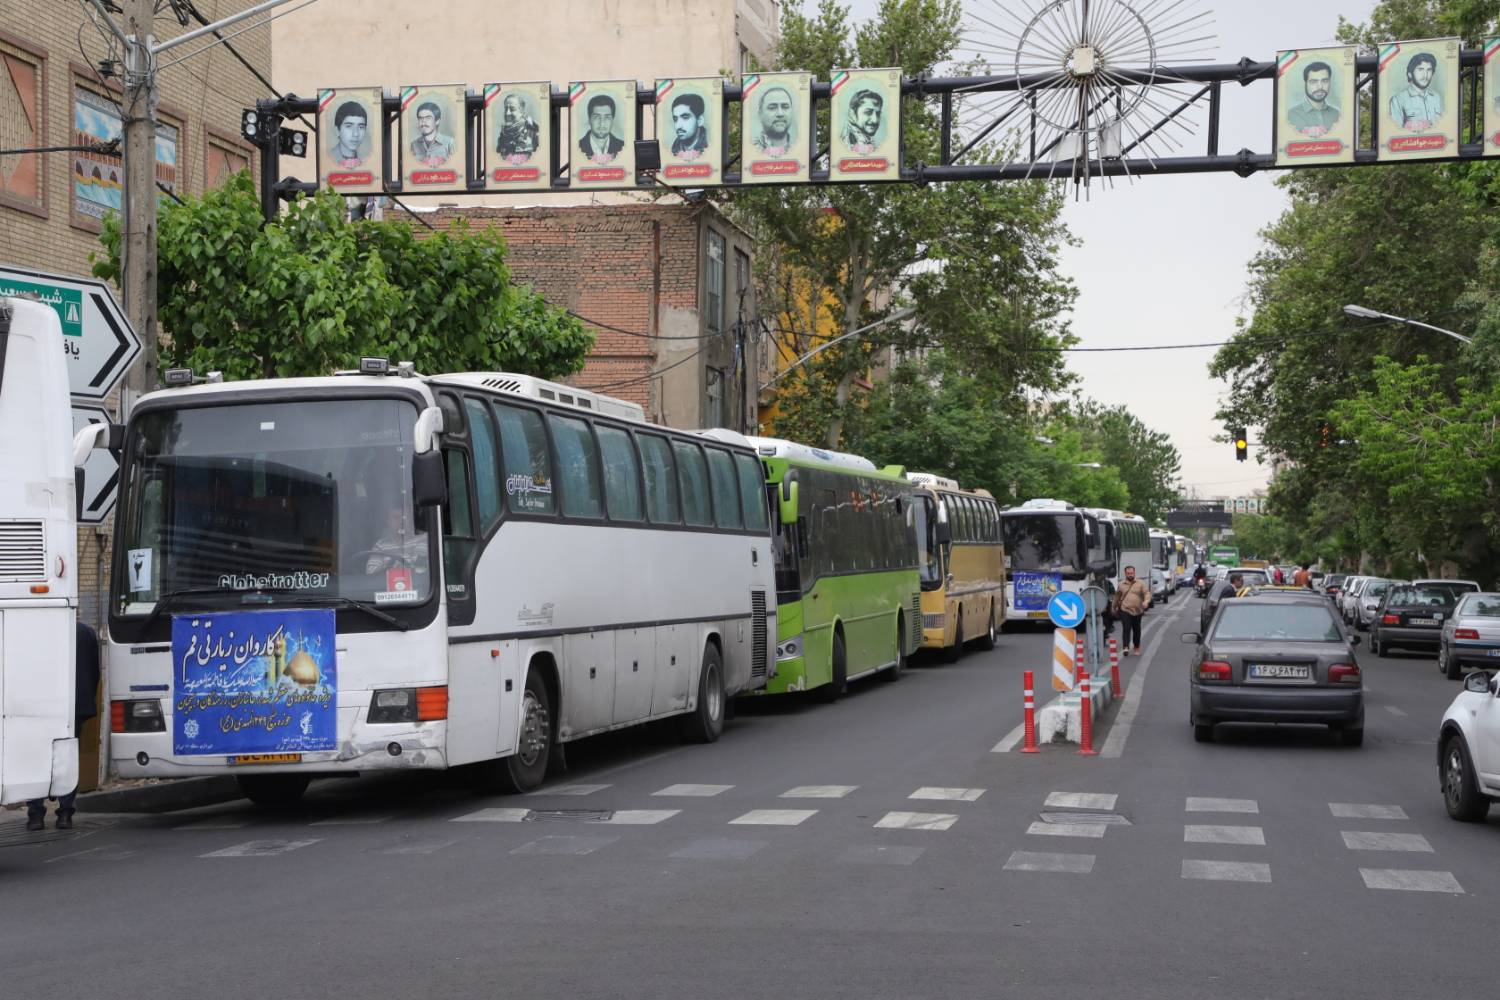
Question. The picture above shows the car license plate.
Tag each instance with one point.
(267, 758)
(1492, 652)
(1422, 621)
(1280, 671)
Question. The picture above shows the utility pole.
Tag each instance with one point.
(138, 275)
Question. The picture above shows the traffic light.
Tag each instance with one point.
(1241, 445)
(1325, 435)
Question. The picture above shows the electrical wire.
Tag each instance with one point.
(110, 148)
(197, 15)
(643, 378)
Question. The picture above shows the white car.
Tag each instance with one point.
(1347, 598)
(1469, 749)
(1369, 601)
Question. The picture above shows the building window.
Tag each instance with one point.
(713, 413)
(23, 116)
(714, 307)
(223, 157)
(744, 302)
(98, 178)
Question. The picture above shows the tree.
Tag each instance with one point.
(978, 262)
(310, 292)
(1148, 463)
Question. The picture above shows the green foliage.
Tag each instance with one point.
(978, 262)
(1149, 464)
(311, 292)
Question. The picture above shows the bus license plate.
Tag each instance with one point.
(267, 758)
(1036, 614)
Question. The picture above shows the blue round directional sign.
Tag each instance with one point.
(1066, 609)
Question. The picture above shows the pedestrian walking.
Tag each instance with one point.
(1132, 598)
(86, 683)
(1303, 576)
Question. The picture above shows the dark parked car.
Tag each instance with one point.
(1411, 615)
(1276, 656)
(1333, 583)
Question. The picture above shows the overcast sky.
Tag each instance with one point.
(1163, 260)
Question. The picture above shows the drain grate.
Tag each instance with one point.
(1094, 818)
(569, 815)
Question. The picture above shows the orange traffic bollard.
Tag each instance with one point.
(1086, 718)
(1116, 689)
(1030, 746)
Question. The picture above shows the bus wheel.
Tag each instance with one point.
(988, 641)
(273, 791)
(832, 690)
(524, 770)
(953, 652)
(894, 672)
(706, 722)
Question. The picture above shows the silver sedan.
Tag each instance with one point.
(1471, 637)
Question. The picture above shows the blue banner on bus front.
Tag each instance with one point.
(1034, 590)
(254, 682)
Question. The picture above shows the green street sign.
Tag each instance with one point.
(67, 302)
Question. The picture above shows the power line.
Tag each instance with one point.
(643, 378)
(192, 9)
(110, 148)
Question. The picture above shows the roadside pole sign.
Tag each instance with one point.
(1066, 609)
(100, 343)
(101, 471)
(1064, 650)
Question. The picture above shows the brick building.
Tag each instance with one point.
(671, 280)
(51, 204)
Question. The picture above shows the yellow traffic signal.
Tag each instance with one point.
(1241, 446)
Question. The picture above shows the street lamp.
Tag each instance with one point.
(1362, 312)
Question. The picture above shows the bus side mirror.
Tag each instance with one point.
(429, 426)
(429, 479)
(788, 502)
(944, 533)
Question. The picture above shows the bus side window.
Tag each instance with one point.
(458, 517)
(726, 494)
(752, 492)
(578, 457)
(528, 468)
(486, 462)
(694, 478)
(622, 474)
(661, 479)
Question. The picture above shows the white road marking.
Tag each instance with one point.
(1081, 800)
(569, 790)
(1119, 731)
(1246, 836)
(1199, 805)
(354, 820)
(418, 847)
(916, 821)
(1373, 841)
(494, 816)
(260, 849)
(1227, 871)
(1033, 861)
(947, 794)
(1393, 709)
(774, 817)
(1094, 830)
(1352, 810)
(694, 791)
(94, 854)
(637, 817)
(818, 792)
(1410, 881)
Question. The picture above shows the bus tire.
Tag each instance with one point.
(835, 688)
(953, 652)
(706, 722)
(525, 769)
(988, 641)
(273, 791)
(894, 672)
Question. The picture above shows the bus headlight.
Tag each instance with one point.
(789, 649)
(932, 621)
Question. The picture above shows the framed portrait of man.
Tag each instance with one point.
(1491, 93)
(349, 150)
(601, 119)
(866, 125)
(1315, 102)
(689, 130)
(518, 136)
(1417, 116)
(434, 138)
(775, 115)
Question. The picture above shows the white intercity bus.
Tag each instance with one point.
(383, 570)
(38, 550)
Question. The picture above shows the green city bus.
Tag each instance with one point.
(1224, 555)
(848, 597)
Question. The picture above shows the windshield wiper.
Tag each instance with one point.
(165, 601)
(351, 603)
(298, 598)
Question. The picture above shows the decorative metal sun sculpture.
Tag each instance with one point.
(1087, 81)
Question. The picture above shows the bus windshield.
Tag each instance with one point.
(929, 552)
(1043, 542)
(1159, 552)
(309, 498)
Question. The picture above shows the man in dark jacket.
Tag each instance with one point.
(86, 680)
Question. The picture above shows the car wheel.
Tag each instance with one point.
(1449, 664)
(1203, 732)
(1375, 649)
(1352, 737)
(1460, 791)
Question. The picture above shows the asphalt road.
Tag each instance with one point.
(1254, 867)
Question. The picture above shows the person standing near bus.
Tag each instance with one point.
(1132, 598)
(1303, 576)
(86, 679)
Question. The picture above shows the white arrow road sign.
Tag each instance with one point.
(100, 341)
(101, 472)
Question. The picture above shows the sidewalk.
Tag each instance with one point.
(149, 796)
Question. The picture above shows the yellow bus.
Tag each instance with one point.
(961, 563)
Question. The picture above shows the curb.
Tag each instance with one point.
(165, 796)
